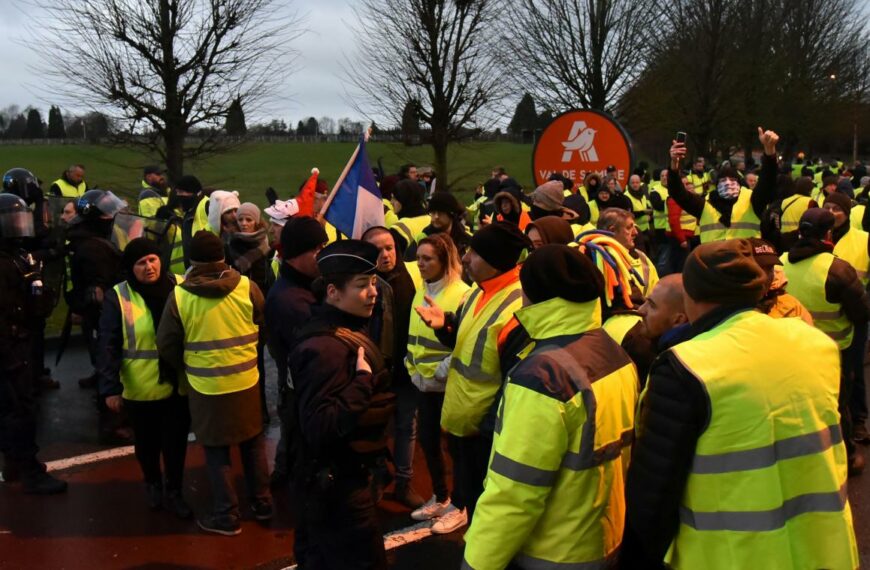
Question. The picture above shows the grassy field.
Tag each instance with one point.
(252, 168)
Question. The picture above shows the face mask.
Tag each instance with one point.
(728, 189)
(187, 202)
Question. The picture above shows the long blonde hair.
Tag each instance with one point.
(447, 254)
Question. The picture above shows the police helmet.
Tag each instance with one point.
(16, 219)
(22, 183)
(98, 203)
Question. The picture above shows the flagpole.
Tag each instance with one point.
(341, 178)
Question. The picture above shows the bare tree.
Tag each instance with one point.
(434, 52)
(570, 53)
(164, 67)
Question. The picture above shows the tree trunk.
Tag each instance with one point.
(173, 138)
(439, 146)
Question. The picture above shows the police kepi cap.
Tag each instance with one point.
(348, 257)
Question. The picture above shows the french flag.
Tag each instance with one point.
(356, 204)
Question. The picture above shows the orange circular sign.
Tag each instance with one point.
(579, 142)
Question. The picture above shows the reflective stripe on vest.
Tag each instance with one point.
(744, 222)
(409, 228)
(425, 351)
(475, 376)
(220, 340)
(639, 205)
(140, 372)
(67, 190)
(792, 210)
(852, 248)
(806, 282)
(767, 484)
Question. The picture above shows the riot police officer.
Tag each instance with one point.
(343, 407)
(20, 296)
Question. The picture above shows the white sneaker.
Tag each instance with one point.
(450, 521)
(432, 509)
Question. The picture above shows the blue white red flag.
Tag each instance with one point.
(356, 205)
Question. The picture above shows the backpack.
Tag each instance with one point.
(771, 222)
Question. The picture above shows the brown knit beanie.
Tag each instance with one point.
(724, 272)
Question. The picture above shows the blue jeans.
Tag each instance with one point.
(407, 400)
(219, 468)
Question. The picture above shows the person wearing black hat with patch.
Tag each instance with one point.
(738, 459)
(830, 289)
(446, 216)
(729, 211)
(475, 377)
(132, 377)
(288, 308)
(576, 392)
(210, 329)
(776, 301)
(343, 405)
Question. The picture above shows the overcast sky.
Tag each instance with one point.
(315, 88)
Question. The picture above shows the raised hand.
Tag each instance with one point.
(433, 315)
(768, 140)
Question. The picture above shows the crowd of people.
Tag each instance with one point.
(669, 373)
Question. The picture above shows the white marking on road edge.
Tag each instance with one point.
(68, 462)
(401, 537)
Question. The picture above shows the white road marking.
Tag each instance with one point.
(68, 462)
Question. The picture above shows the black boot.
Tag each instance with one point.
(406, 494)
(154, 492)
(41, 483)
(174, 502)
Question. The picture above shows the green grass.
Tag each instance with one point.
(252, 168)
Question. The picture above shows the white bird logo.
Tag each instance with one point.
(580, 139)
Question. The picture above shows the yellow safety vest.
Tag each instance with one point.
(699, 181)
(660, 219)
(414, 272)
(856, 218)
(744, 222)
(593, 212)
(618, 326)
(554, 492)
(200, 219)
(580, 229)
(646, 269)
(475, 372)
(409, 228)
(793, 208)
(276, 265)
(818, 194)
(637, 205)
(148, 206)
(140, 373)
(852, 248)
(67, 190)
(220, 340)
(767, 485)
(425, 351)
(806, 282)
(176, 254)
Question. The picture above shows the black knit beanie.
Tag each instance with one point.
(560, 271)
(500, 245)
(136, 250)
(301, 234)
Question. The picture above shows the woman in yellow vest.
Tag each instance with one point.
(132, 377)
(729, 211)
(210, 329)
(428, 360)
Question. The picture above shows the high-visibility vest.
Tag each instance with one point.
(200, 219)
(176, 253)
(414, 272)
(554, 491)
(475, 372)
(856, 217)
(638, 205)
(688, 222)
(699, 181)
(806, 282)
(578, 229)
(220, 340)
(276, 264)
(618, 326)
(660, 219)
(425, 351)
(744, 221)
(140, 373)
(646, 269)
(67, 190)
(767, 485)
(148, 203)
(594, 213)
(409, 228)
(793, 208)
(852, 248)
(796, 170)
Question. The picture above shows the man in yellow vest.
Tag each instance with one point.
(71, 183)
(210, 330)
(564, 430)
(729, 471)
(131, 375)
(155, 191)
(792, 208)
(621, 223)
(853, 245)
(663, 313)
(829, 287)
(729, 211)
(475, 377)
